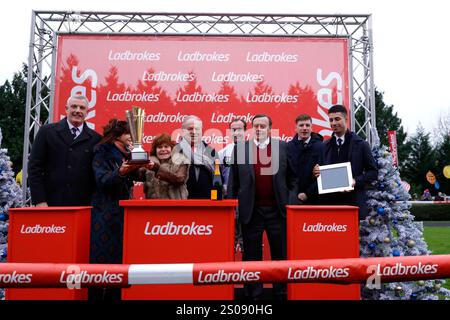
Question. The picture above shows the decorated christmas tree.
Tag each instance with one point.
(10, 197)
(390, 231)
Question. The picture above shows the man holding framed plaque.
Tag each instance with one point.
(345, 147)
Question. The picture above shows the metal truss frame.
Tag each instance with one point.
(46, 25)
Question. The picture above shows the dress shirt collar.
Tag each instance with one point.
(262, 145)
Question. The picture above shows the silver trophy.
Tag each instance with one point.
(135, 119)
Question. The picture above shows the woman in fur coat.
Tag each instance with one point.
(167, 179)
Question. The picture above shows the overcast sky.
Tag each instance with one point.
(411, 41)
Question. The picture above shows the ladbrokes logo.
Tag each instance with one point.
(401, 270)
(319, 227)
(222, 277)
(171, 229)
(312, 273)
(75, 279)
(134, 56)
(15, 277)
(38, 229)
(378, 271)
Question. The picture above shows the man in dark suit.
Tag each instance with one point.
(345, 146)
(304, 152)
(60, 166)
(263, 182)
(201, 155)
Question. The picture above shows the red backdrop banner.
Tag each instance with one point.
(216, 78)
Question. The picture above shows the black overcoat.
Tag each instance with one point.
(60, 168)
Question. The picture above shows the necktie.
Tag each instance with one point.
(74, 132)
(339, 142)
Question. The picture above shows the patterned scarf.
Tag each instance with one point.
(198, 158)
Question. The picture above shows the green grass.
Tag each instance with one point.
(438, 240)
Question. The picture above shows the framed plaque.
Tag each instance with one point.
(335, 177)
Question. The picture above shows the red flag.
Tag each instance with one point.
(392, 135)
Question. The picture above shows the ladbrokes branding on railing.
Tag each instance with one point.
(172, 229)
(318, 273)
(54, 275)
(354, 270)
(382, 272)
(400, 270)
(85, 277)
(15, 278)
(38, 229)
(283, 274)
(223, 277)
(74, 277)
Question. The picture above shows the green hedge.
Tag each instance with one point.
(431, 212)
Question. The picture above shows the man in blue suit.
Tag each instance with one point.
(345, 146)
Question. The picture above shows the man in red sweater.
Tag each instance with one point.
(264, 183)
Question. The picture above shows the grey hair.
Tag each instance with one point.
(187, 118)
(78, 97)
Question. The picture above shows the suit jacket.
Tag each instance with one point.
(364, 168)
(60, 168)
(241, 183)
(303, 160)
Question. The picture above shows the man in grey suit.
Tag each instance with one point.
(264, 183)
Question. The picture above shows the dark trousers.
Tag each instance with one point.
(264, 219)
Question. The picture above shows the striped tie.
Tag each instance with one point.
(74, 132)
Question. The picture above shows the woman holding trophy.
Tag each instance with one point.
(115, 168)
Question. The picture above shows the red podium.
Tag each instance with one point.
(49, 234)
(322, 232)
(178, 231)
